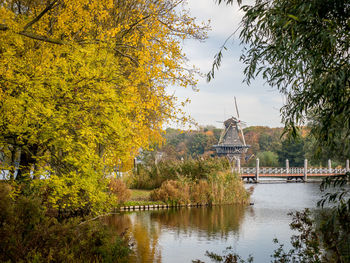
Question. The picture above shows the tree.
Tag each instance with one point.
(302, 48)
(267, 158)
(293, 150)
(197, 144)
(82, 86)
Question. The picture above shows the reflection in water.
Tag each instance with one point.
(214, 221)
(181, 235)
(142, 232)
(145, 227)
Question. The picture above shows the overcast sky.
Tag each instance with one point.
(258, 104)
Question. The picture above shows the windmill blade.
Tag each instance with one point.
(243, 137)
(240, 127)
(236, 108)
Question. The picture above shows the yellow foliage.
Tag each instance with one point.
(82, 83)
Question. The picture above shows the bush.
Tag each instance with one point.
(118, 188)
(74, 194)
(29, 234)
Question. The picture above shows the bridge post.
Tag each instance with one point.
(305, 170)
(257, 170)
(329, 166)
(347, 166)
(287, 166)
(238, 166)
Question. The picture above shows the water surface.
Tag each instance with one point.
(181, 235)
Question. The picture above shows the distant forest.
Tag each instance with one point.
(266, 143)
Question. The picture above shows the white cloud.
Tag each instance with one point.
(258, 103)
(224, 18)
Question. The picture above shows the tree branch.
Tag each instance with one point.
(41, 38)
(3, 27)
(127, 56)
(48, 8)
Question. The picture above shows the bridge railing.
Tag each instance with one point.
(290, 170)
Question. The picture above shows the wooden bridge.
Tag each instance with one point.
(254, 174)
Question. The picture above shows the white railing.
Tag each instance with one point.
(291, 170)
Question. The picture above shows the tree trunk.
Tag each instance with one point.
(27, 161)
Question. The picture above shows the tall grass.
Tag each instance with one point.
(153, 175)
(218, 188)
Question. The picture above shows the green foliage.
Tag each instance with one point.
(268, 159)
(75, 195)
(301, 47)
(306, 244)
(228, 256)
(335, 226)
(197, 144)
(293, 150)
(29, 234)
(190, 143)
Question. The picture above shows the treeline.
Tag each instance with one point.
(270, 145)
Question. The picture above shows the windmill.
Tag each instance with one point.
(230, 143)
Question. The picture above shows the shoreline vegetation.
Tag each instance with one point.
(33, 230)
(191, 181)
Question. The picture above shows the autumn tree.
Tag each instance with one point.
(82, 86)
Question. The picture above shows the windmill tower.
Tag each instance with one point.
(231, 144)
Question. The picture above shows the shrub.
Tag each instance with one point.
(74, 194)
(118, 188)
(28, 234)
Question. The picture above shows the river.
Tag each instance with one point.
(185, 234)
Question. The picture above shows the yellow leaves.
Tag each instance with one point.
(99, 95)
